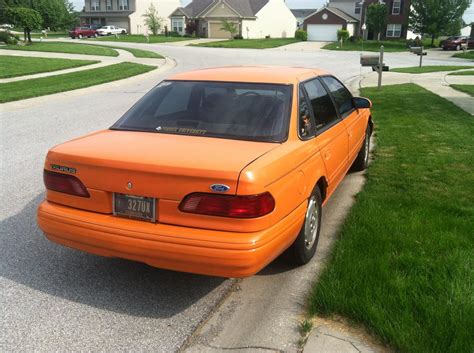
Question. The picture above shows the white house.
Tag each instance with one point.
(126, 14)
(253, 18)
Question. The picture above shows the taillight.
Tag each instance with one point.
(252, 206)
(67, 184)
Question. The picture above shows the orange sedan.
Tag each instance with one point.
(214, 171)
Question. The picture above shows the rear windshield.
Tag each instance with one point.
(245, 111)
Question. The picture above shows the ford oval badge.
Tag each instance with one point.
(220, 188)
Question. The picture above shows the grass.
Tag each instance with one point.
(467, 55)
(58, 47)
(403, 265)
(426, 69)
(373, 45)
(135, 38)
(469, 89)
(249, 43)
(13, 66)
(140, 53)
(13, 91)
(462, 73)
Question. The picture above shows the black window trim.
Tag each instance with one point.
(326, 127)
(349, 112)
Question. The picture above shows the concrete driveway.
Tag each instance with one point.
(54, 298)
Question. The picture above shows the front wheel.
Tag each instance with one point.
(362, 160)
(304, 247)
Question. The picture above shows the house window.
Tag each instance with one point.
(394, 30)
(358, 7)
(95, 5)
(177, 25)
(396, 7)
(123, 4)
(109, 5)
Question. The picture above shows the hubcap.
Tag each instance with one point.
(367, 147)
(311, 223)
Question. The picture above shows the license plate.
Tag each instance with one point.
(136, 207)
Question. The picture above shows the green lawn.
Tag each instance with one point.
(58, 47)
(13, 91)
(403, 265)
(135, 38)
(462, 73)
(249, 43)
(468, 55)
(373, 45)
(469, 89)
(12, 66)
(426, 69)
(140, 53)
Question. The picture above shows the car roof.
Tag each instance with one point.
(255, 74)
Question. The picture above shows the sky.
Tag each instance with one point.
(303, 4)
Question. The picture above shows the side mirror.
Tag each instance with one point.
(362, 103)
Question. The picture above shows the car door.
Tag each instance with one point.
(352, 118)
(331, 134)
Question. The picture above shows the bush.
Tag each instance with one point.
(342, 34)
(8, 38)
(238, 36)
(301, 34)
(174, 34)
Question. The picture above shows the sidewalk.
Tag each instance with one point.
(436, 82)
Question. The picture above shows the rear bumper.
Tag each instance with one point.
(209, 252)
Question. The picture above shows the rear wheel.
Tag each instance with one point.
(123, 32)
(304, 247)
(362, 160)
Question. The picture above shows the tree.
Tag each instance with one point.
(152, 20)
(342, 35)
(376, 18)
(437, 17)
(230, 27)
(26, 18)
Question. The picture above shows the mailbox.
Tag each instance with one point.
(369, 60)
(417, 50)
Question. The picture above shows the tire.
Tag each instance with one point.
(304, 247)
(79, 36)
(123, 32)
(362, 160)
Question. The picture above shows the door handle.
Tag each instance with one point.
(327, 154)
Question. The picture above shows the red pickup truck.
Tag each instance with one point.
(80, 32)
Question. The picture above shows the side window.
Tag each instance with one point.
(341, 95)
(323, 108)
(306, 126)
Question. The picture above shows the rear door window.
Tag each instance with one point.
(342, 96)
(324, 112)
(306, 125)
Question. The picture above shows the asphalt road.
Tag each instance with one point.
(57, 299)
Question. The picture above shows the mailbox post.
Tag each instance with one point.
(420, 52)
(376, 62)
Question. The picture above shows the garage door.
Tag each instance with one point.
(118, 22)
(323, 33)
(215, 31)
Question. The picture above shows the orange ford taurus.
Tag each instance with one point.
(214, 171)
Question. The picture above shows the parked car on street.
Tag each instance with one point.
(454, 43)
(214, 171)
(6, 26)
(109, 30)
(82, 32)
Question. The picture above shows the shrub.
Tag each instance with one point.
(238, 36)
(342, 34)
(301, 34)
(174, 34)
(8, 38)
